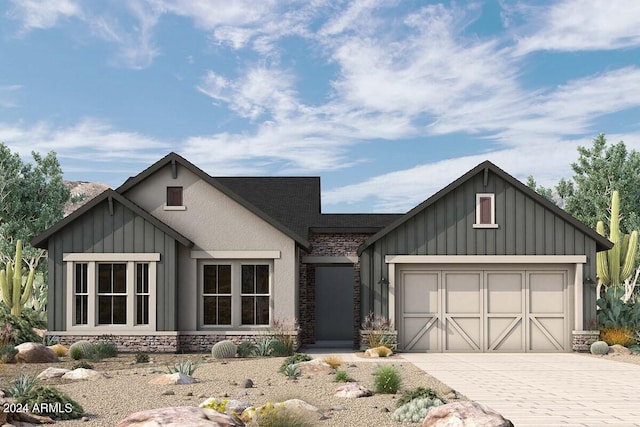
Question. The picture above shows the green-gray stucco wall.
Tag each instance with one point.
(525, 227)
(97, 231)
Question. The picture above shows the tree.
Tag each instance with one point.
(32, 198)
(547, 193)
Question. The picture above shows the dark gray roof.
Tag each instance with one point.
(602, 243)
(363, 223)
(41, 240)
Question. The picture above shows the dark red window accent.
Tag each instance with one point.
(174, 196)
(485, 210)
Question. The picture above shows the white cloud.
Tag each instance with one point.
(42, 14)
(574, 25)
(7, 95)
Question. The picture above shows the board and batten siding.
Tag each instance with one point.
(525, 227)
(99, 232)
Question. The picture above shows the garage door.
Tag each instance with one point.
(492, 310)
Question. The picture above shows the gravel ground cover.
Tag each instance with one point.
(107, 401)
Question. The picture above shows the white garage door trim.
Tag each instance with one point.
(479, 260)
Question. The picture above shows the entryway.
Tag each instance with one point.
(334, 306)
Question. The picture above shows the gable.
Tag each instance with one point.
(527, 224)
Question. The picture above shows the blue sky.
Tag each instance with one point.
(388, 101)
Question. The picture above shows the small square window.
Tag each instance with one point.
(174, 196)
(485, 211)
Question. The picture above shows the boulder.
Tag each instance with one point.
(173, 379)
(352, 390)
(180, 416)
(618, 349)
(381, 351)
(84, 374)
(464, 414)
(31, 352)
(52, 372)
(315, 366)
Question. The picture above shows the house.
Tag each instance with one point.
(176, 260)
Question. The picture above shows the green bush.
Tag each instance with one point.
(342, 377)
(82, 349)
(18, 329)
(386, 379)
(416, 393)
(142, 357)
(263, 346)
(280, 349)
(292, 372)
(51, 402)
(103, 350)
(296, 358)
(21, 385)
(246, 349)
(75, 353)
(7, 353)
(82, 364)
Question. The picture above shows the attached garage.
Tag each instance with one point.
(484, 265)
(484, 308)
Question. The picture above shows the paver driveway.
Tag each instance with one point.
(542, 389)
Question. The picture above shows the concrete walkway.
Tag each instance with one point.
(542, 389)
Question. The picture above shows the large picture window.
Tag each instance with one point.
(235, 293)
(111, 290)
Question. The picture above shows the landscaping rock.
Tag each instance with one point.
(52, 372)
(352, 390)
(618, 349)
(173, 379)
(247, 383)
(31, 352)
(180, 416)
(315, 366)
(84, 374)
(381, 351)
(463, 414)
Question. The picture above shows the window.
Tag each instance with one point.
(255, 294)
(81, 302)
(485, 211)
(174, 196)
(111, 290)
(217, 294)
(235, 293)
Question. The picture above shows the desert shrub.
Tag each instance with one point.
(292, 372)
(21, 385)
(263, 346)
(50, 340)
(104, 350)
(620, 336)
(333, 361)
(415, 410)
(224, 349)
(416, 393)
(599, 347)
(59, 350)
(285, 331)
(280, 349)
(186, 367)
(7, 353)
(81, 349)
(16, 329)
(52, 403)
(246, 349)
(342, 377)
(378, 331)
(82, 364)
(295, 358)
(142, 357)
(277, 415)
(386, 379)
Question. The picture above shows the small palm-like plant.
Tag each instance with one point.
(186, 367)
(264, 346)
(292, 372)
(22, 385)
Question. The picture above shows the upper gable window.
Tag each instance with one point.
(485, 211)
(174, 199)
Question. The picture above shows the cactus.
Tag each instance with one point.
(84, 346)
(416, 410)
(13, 293)
(616, 265)
(599, 347)
(224, 349)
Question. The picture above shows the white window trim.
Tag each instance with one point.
(91, 260)
(236, 293)
(174, 208)
(493, 211)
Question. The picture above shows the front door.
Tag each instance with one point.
(334, 305)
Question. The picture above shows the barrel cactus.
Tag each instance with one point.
(416, 410)
(599, 347)
(224, 349)
(84, 349)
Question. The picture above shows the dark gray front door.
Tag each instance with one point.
(334, 303)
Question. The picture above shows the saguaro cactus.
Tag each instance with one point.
(15, 293)
(616, 265)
